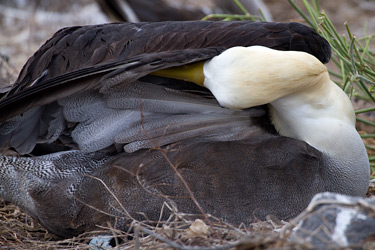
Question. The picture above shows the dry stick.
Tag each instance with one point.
(99, 210)
(118, 201)
(143, 185)
(173, 214)
(163, 152)
(114, 196)
(136, 238)
(182, 247)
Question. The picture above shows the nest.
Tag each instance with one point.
(179, 231)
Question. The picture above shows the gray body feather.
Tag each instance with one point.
(129, 118)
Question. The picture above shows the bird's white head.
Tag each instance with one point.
(304, 102)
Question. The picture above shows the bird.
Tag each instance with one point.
(161, 10)
(239, 120)
(148, 11)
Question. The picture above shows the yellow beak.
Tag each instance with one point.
(190, 72)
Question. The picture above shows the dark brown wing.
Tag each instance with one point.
(76, 47)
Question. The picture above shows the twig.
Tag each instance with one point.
(113, 195)
(163, 152)
(182, 247)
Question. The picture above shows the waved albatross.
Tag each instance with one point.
(93, 110)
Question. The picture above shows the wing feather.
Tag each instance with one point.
(88, 85)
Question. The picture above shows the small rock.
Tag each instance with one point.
(197, 229)
(101, 242)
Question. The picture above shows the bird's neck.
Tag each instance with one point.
(321, 116)
(325, 119)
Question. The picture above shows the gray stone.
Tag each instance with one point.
(333, 220)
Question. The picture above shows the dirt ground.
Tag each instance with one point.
(25, 25)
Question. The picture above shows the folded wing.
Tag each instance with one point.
(87, 87)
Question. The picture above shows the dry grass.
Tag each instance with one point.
(180, 231)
